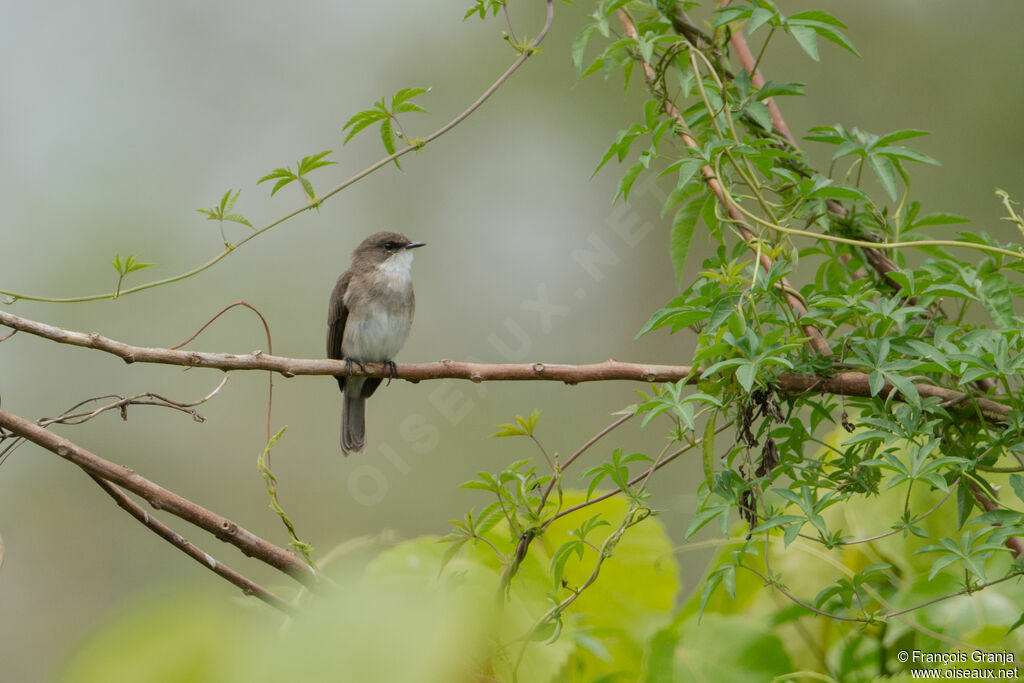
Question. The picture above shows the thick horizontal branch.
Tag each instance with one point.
(160, 498)
(842, 384)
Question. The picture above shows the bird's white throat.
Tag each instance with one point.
(398, 268)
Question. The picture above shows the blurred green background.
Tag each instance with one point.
(118, 119)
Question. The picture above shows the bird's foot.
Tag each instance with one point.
(392, 370)
(348, 365)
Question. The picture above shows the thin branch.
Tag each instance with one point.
(161, 499)
(643, 476)
(523, 56)
(891, 532)
(878, 617)
(248, 586)
(580, 451)
(122, 402)
(848, 383)
(69, 417)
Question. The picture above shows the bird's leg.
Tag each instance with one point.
(392, 370)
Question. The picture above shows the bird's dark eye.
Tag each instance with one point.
(391, 246)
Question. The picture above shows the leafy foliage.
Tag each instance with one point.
(304, 166)
(129, 265)
(387, 116)
(867, 514)
(223, 212)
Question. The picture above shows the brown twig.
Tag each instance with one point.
(71, 418)
(248, 586)
(841, 383)
(270, 349)
(161, 499)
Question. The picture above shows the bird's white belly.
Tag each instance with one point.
(377, 336)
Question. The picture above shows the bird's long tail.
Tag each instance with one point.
(353, 420)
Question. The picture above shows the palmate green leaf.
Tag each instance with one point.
(522, 427)
(129, 265)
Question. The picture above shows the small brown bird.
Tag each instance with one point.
(368, 320)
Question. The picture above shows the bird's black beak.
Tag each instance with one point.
(415, 245)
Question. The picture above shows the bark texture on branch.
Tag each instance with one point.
(850, 383)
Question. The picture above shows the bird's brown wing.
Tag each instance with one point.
(337, 315)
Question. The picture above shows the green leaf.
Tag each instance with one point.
(388, 138)
(313, 162)
(759, 112)
(579, 47)
(736, 648)
(886, 174)
(724, 308)
(876, 381)
(1017, 482)
(898, 135)
(707, 448)
(904, 153)
(998, 301)
(758, 18)
(807, 39)
(362, 120)
(745, 375)
(682, 234)
(818, 16)
(937, 219)
(627, 181)
(404, 95)
(308, 187)
(238, 218)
